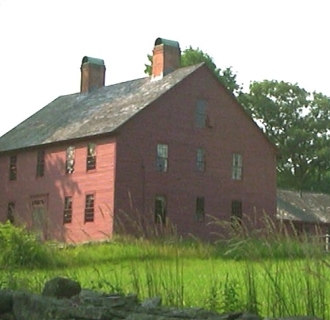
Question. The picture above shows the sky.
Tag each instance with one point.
(42, 43)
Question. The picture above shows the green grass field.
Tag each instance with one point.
(273, 277)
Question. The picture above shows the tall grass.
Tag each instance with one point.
(272, 275)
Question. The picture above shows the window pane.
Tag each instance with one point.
(200, 208)
(70, 153)
(162, 150)
(237, 168)
(236, 212)
(89, 208)
(67, 214)
(160, 209)
(200, 159)
(200, 113)
(162, 157)
(91, 156)
(40, 163)
(13, 168)
(10, 212)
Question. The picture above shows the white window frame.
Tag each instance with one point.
(162, 157)
(237, 167)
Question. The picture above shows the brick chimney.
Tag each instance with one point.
(166, 57)
(92, 74)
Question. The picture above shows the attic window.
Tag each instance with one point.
(91, 156)
(13, 168)
(69, 167)
(200, 159)
(41, 163)
(200, 114)
(237, 169)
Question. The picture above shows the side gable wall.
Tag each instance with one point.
(171, 120)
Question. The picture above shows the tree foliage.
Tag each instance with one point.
(297, 122)
(192, 56)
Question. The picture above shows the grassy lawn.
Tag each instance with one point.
(272, 277)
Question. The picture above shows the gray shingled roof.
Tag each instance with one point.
(81, 115)
(307, 206)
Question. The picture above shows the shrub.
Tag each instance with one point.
(19, 248)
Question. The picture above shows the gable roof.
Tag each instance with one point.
(304, 207)
(87, 114)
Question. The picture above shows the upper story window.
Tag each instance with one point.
(13, 168)
(10, 212)
(237, 168)
(67, 212)
(89, 208)
(162, 157)
(200, 212)
(200, 114)
(200, 159)
(69, 166)
(41, 163)
(160, 209)
(91, 156)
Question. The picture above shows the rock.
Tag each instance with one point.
(295, 318)
(152, 303)
(61, 288)
(7, 316)
(88, 294)
(28, 306)
(92, 305)
(6, 301)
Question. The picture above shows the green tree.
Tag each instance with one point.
(192, 56)
(297, 122)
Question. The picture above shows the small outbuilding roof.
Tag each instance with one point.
(305, 206)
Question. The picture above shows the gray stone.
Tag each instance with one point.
(6, 301)
(295, 318)
(92, 305)
(152, 303)
(27, 306)
(61, 288)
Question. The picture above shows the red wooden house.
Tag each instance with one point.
(173, 148)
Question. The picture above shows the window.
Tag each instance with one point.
(41, 163)
(67, 212)
(69, 166)
(160, 209)
(237, 169)
(200, 213)
(201, 113)
(236, 212)
(13, 168)
(89, 208)
(10, 212)
(200, 159)
(162, 157)
(91, 156)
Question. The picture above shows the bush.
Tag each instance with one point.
(19, 248)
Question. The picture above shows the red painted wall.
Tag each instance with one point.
(171, 120)
(56, 184)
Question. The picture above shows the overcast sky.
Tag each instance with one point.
(42, 43)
